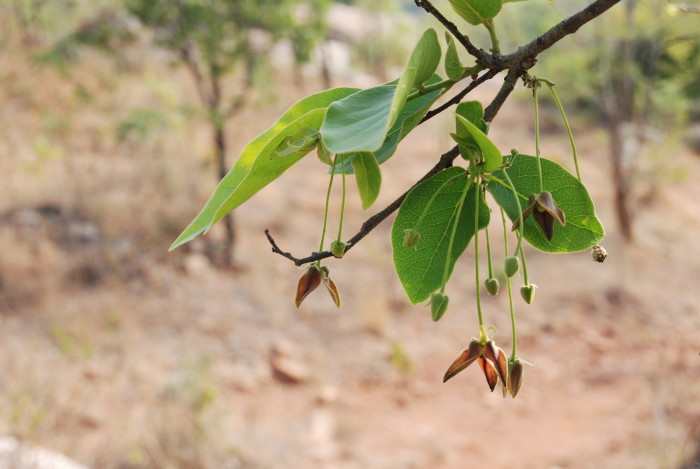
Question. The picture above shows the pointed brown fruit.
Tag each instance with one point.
(466, 357)
(515, 377)
(489, 372)
(545, 212)
(308, 282)
(332, 290)
(498, 357)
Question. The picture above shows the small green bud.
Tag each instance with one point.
(514, 152)
(411, 238)
(338, 248)
(512, 264)
(492, 286)
(438, 305)
(528, 292)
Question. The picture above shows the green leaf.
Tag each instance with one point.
(473, 111)
(361, 121)
(477, 11)
(582, 230)
(255, 168)
(358, 122)
(421, 268)
(492, 156)
(368, 176)
(409, 117)
(453, 66)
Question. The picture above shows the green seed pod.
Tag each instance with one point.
(411, 238)
(528, 292)
(512, 264)
(438, 305)
(338, 248)
(492, 286)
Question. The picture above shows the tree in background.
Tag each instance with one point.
(221, 39)
(647, 62)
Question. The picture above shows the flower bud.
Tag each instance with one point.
(528, 292)
(338, 248)
(492, 286)
(438, 305)
(599, 253)
(515, 377)
(411, 238)
(512, 264)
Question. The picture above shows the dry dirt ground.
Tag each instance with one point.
(122, 356)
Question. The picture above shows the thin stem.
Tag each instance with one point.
(325, 215)
(458, 211)
(495, 47)
(423, 90)
(510, 290)
(535, 86)
(342, 203)
(488, 252)
(522, 260)
(476, 257)
(521, 226)
(550, 85)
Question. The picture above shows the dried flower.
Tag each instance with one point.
(492, 361)
(515, 377)
(311, 279)
(545, 212)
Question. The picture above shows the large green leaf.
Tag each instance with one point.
(582, 230)
(255, 168)
(492, 155)
(477, 11)
(409, 117)
(361, 122)
(368, 176)
(421, 268)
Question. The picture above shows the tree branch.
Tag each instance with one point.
(481, 56)
(517, 64)
(460, 96)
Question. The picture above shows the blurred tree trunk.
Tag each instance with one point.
(619, 107)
